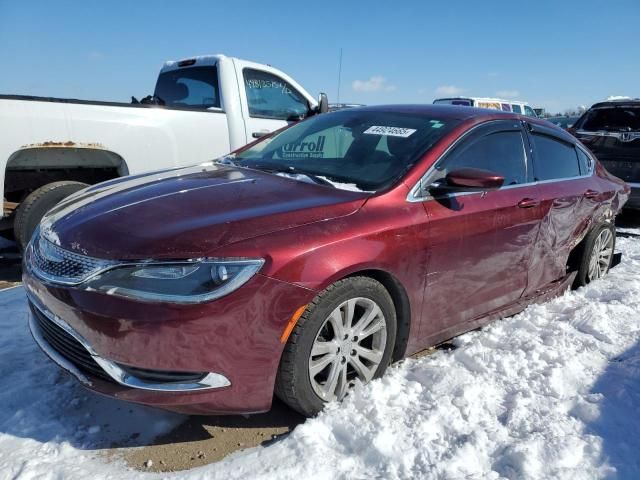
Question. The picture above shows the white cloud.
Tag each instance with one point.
(508, 93)
(376, 83)
(449, 90)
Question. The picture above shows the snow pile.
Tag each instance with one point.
(550, 393)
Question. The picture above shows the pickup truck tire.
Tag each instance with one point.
(40, 201)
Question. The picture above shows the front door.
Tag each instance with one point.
(480, 243)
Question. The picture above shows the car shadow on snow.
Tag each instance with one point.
(618, 422)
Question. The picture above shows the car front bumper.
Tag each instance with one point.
(212, 358)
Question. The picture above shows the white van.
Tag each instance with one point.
(514, 106)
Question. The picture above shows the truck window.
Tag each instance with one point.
(195, 87)
(529, 111)
(269, 96)
(516, 108)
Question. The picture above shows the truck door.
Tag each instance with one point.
(270, 100)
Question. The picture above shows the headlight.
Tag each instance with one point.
(176, 282)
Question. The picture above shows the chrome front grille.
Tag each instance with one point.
(55, 264)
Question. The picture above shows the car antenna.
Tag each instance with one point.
(339, 76)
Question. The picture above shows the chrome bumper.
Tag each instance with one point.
(210, 381)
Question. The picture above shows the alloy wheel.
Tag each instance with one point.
(348, 347)
(601, 253)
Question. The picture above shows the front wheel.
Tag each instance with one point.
(345, 336)
(597, 254)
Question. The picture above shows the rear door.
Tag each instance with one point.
(270, 100)
(569, 196)
(480, 244)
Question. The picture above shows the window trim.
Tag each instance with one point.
(414, 195)
(270, 117)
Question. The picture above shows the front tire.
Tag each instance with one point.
(346, 335)
(40, 201)
(597, 254)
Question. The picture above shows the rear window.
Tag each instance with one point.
(193, 87)
(614, 119)
(554, 159)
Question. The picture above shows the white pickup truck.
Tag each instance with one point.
(202, 108)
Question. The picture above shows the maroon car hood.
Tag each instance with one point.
(188, 213)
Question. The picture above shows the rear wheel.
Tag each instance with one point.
(40, 201)
(597, 254)
(345, 336)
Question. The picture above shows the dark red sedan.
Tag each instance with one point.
(311, 259)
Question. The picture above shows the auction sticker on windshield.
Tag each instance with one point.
(390, 131)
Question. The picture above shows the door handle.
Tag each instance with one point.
(260, 134)
(591, 193)
(528, 203)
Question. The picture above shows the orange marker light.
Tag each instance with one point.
(292, 323)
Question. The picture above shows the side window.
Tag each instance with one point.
(586, 164)
(268, 96)
(554, 158)
(529, 111)
(500, 152)
(516, 108)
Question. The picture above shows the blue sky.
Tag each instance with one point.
(555, 54)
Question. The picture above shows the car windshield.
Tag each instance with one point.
(352, 149)
(615, 119)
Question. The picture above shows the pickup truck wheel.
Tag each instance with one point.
(345, 335)
(37, 203)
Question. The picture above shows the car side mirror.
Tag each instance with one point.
(323, 103)
(469, 180)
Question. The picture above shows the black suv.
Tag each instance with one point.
(611, 130)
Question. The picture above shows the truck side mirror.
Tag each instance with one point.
(323, 103)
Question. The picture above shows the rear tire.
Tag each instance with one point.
(40, 201)
(596, 255)
(356, 349)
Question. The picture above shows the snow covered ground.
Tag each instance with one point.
(553, 392)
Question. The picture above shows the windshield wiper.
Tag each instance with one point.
(227, 160)
(289, 170)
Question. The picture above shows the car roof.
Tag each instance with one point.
(465, 114)
(623, 102)
(454, 112)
